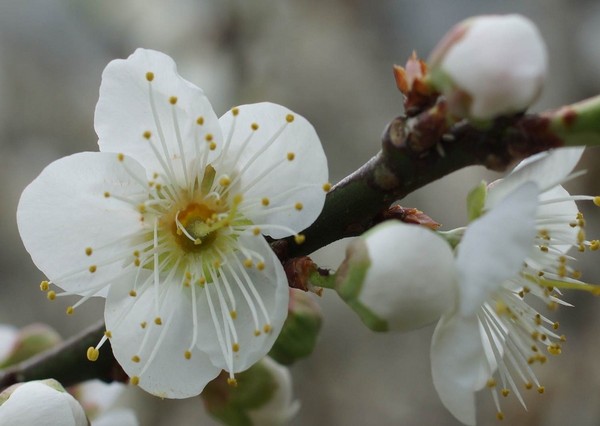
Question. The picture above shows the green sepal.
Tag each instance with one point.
(476, 201)
(350, 278)
(300, 330)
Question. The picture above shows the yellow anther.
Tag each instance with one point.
(254, 126)
(200, 121)
(92, 353)
(173, 100)
(217, 264)
(197, 241)
(327, 187)
(597, 200)
(291, 156)
(135, 359)
(554, 349)
(235, 347)
(233, 314)
(225, 181)
(143, 324)
(544, 249)
(563, 338)
(538, 319)
(248, 263)
(500, 415)
(51, 295)
(528, 385)
(147, 134)
(260, 265)
(553, 306)
(108, 334)
(580, 236)
(135, 380)
(265, 201)
(256, 231)
(289, 118)
(505, 392)
(70, 310)
(491, 383)
(44, 285)
(555, 325)
(267, 328)
(576, 274)
(594, 245)
(92, 268)
(212, 146)
(141, 208)
(299, 239)
(137, 261)
(235, 111)
(149, 76)
(132, 293)
(208, 137)
(201, 281)
(88, 251)
(232, 382)
(581, 248)
(120, 157)
(541, 389)
(158, 321)
(187, 355)
(106, 194)
(298, 206)
(257, 332)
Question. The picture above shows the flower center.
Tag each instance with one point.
(196, 226)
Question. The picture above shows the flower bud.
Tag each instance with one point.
(40, 403)
(300, 329)
(490, 65)
(377, 278)
(262, 397)
(19, 345)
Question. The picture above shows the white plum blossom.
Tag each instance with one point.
(167, 223)
(488, 334)
(490, 65)
(43, 402)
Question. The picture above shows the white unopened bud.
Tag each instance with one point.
(43, 402)
(488, 66)
(391, 284)
(281, 406)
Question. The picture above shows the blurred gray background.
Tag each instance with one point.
(330, 61)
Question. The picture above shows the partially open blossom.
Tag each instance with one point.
(167, 220)
(43, 402)
(488, 333)
(264, 397)
(490, 65)
(98, 399)
(17, 345)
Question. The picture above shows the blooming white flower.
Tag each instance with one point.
(490, 65)
(43, 402)
(166, 223)
(487, 333)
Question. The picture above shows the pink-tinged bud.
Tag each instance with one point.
(489, 66)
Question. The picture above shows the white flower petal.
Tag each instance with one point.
(64, 211)
(120, 417)
(459, 365)
(270, 285)
(495, 246)
(565, 210)
(411, 281)
(162, 368)
(281, 161)
(9, 336)
(547, 169)
(125, 111)
(98, 396)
